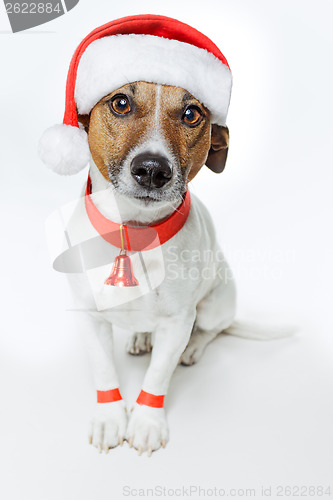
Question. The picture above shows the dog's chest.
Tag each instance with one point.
(170, 276)
(141, 315)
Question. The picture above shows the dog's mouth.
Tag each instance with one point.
(146, 199)
(156, 197)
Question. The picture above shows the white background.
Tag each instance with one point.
(250, 413)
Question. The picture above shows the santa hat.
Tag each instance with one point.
(145, 47)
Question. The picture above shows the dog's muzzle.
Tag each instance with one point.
(151, 170)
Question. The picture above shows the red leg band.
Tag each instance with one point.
(108, 396)
(147, 399)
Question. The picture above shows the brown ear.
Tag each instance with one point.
(84, 119)
(217, 155)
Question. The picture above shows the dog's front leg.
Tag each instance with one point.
(148, 428)
(108, 426)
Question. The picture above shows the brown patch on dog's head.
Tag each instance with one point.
(165, 123)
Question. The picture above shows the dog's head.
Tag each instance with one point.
(149, 140)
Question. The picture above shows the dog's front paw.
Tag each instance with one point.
(147, 429)
(139, 343)
(108, 427)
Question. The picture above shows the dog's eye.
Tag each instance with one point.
(192, 116)
(120, 104)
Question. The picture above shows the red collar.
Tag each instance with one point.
(137, 238)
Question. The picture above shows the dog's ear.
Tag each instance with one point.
(217, 155)
(84, 119)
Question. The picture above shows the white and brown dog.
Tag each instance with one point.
(154, 115)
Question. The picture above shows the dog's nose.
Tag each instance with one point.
(151, 170)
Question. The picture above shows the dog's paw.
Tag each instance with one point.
(139, 343)
(147, 429)
(194, 350)
(108, 427)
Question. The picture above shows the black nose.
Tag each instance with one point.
(151, 170)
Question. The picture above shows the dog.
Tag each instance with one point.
(140, 132)
(145, 140)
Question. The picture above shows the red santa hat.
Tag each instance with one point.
(149, 48)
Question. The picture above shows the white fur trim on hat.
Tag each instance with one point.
(111, 62)
(64, 149)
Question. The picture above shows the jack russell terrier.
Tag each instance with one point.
(146, 102)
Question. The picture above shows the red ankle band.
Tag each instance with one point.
(108, 396)
(147, 399)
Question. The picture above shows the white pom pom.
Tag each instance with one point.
(64, 149)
